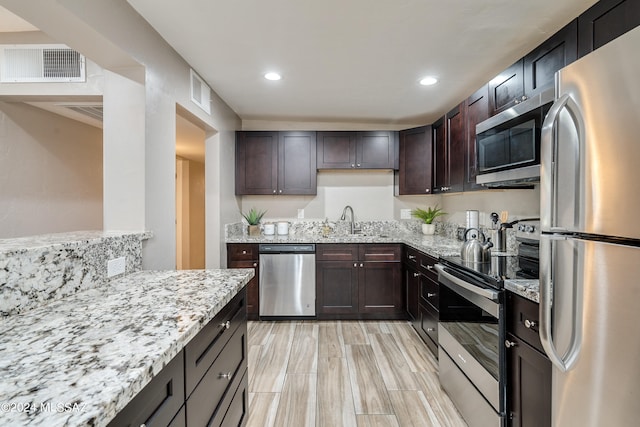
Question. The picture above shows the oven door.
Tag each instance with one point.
(471, 357)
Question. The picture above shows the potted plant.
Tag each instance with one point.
(427, 217)
(253, 218)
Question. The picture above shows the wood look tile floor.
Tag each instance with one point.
(343, 374)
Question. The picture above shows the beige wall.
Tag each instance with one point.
(116, 38)
(50, 173)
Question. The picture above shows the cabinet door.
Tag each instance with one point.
(439, 141)
(336, 287)
(412, 283)
(376, 150)
(542, 63)
(506, 89)
(379, 287)
(604, 21)
(336, 150)
(528, 385)
(416, 161)
(456, 136)
(256, 163)
(477, 107)
(297, 163)
(253, 287)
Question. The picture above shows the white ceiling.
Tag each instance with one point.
(353, 60)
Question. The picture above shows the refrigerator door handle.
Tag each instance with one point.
(549, 163)
(548, 248)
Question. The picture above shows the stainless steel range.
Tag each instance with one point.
(471, 332)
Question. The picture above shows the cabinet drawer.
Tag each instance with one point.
(426, 264)
(242, 251)
(380, 252)
(336, 252)
(412, 257)
(429, 328)
(429, 293)
(523, 319)
(157, 403)
(202, 350)
(239, 407)
(207, 402)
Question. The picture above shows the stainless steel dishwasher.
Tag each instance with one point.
(287, 280)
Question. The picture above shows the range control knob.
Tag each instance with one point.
(521, 227)
(529, 229)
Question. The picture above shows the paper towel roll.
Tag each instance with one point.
(473, 219)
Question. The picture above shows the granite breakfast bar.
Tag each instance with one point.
(79, 359)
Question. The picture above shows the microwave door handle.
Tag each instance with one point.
(548, 250)
(549, 164)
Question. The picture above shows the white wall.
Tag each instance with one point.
(114, 36)
(50, 173)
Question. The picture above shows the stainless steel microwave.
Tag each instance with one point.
(508, 144)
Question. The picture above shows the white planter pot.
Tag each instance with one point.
(428, 228)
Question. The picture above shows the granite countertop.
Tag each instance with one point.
(80, 360)
(529, 289)
(434, 245)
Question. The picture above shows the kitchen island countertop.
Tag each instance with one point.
(79, 360)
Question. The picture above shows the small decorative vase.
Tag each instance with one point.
(428, 228)
(254, 230)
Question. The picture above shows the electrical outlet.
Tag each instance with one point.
(300, 213)
(405, 213)
(116, 266)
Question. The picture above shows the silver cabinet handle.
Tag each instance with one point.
(353, 165)
(226, 325)
(361, 265)
(280, 191)
(355, 264)
(430, 295)
(509, 344)
(411, 256)
(223, 376)
(255, 264)
(429, 267)
(529, 323)
(244, 252)
(431, 329)
(274, 191)
(358, 164)
(427, 190)
(416, 274)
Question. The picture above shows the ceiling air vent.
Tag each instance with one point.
(40, 64)
(200, 92)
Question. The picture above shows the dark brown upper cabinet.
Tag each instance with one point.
(415, 174)
(357, 150)
(605, 21)
(507, 88)
(276, 163)
(449, 136)
(541, 64)
(535, 72)
(477, 110)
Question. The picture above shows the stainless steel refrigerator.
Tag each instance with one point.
(590, 242)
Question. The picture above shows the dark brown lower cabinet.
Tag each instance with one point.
(245, 255)
(528, 368)
(336, 287)
(359, 281)
(205, 384)
(528, 385)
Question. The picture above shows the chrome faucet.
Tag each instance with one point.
(344, 217)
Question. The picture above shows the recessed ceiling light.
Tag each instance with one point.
(428, 81)
(272, 76)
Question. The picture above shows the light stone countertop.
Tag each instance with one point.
(434, 245)
(529, 289)
(96, 349)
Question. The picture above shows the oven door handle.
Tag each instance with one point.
(487, 293)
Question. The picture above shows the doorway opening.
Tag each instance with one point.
(190, 194)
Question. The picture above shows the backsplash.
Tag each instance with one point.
(39, 269)
(392, 227)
